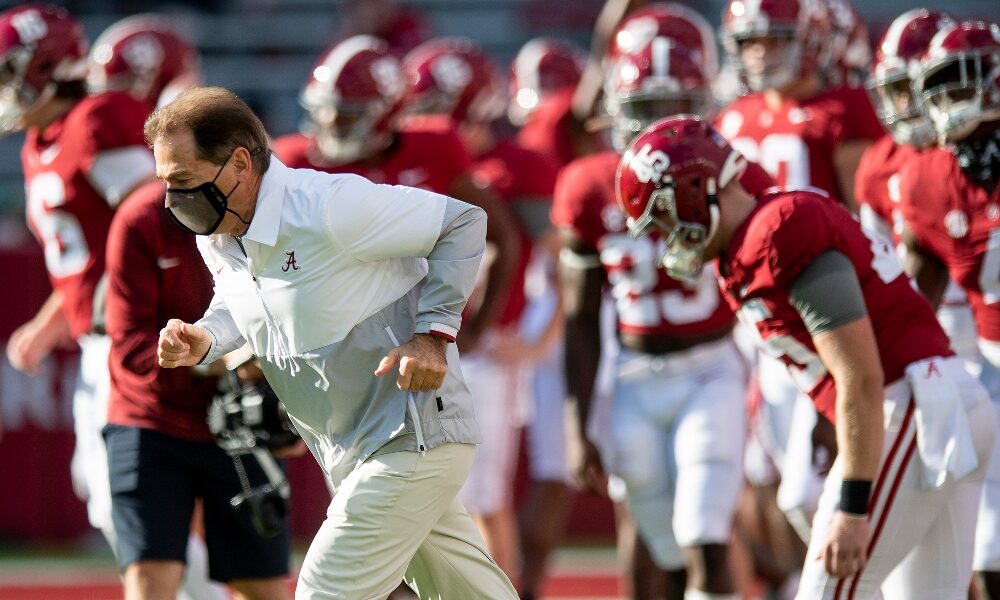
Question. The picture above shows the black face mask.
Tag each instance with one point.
(201, 209)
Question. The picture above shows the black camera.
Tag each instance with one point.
(248, 422)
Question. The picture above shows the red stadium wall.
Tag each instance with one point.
(37, 502)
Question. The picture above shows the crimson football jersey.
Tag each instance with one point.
(647, 300)
(959, 222)
(796, 143)
(516, 175)
(876, 186)
(65, 210)
(785, 232)
(426, 153)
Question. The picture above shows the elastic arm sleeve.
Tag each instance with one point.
(827, 293)
(452, 267)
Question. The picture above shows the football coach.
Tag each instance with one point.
(349, 294)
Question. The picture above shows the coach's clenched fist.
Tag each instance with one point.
(182, 344)
(422, 363)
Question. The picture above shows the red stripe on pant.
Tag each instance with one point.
(883, 476)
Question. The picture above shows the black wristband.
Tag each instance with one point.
(854, 496)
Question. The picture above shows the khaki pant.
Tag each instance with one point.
(396, 517)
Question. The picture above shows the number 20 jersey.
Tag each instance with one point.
(786, 231)
(796, 142)
(959, 222)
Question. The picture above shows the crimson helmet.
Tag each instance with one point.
(680, 23)
(959, 79)
(542, 67)
(897, 63)
(352, 95)
(453, 77)
(847, 55)
(658, 80)
(668, 182)
(802, 25)
(40, 47)
(143, 55)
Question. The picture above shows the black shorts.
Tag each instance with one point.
(155, 479)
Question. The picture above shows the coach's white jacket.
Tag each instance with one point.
(333, 272)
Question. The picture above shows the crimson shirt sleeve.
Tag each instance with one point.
(790, 240)
(577, 204)
(134, 300)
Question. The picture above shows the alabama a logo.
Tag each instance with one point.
(290, 263)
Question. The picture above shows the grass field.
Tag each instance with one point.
(82, 574)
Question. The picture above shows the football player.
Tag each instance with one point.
(802, 132)
(81, 156)
(949, 200)
(456, 79)
(805, 131)
(677, 420)
(914, 428)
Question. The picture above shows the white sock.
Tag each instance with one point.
(196, 584)
(693, 594)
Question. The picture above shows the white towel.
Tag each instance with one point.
(944, 441)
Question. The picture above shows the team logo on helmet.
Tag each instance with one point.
(648, 164)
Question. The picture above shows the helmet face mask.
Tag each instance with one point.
(635, 113)
(959, 79)
(344, 135)
(684, 249)
(771, 61)
(15, 97)
(901, 110)
(954, 91)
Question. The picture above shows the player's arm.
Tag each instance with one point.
(828, 297)
(32, 342)
(846, 158)
(581, 280)
(501, 231)
(925, 268)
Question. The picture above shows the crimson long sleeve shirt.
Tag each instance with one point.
(154, 274)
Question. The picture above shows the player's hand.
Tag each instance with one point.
(846, 549)
(422, 363)
(588, 471)
(33, 342)
(182, 344)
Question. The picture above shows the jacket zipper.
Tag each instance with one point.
(260, 297)
(411, 403)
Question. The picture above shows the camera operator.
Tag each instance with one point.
(161, 454)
